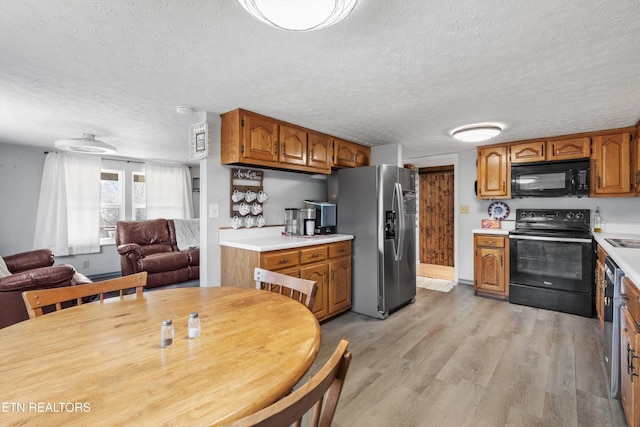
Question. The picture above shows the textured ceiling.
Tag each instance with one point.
(404, 72)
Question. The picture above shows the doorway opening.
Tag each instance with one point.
(436, 222)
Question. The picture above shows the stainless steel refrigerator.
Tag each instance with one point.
(377, 204)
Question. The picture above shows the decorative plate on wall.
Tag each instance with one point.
(498, 210)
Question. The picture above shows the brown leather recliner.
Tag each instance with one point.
(151, 246)
(30, 271)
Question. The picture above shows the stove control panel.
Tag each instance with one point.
(553, 216)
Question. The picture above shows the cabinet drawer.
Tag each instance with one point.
(313, 254)
(340, 249)
(280, 259)
(491, 241)
(632, 299)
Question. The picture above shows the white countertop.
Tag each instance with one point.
(271, 239)
(490, 231)
(628, 259)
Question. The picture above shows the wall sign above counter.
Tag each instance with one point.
(247, 198)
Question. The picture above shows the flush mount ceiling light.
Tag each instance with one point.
(476, 133)
(299, 15)
(87, 143)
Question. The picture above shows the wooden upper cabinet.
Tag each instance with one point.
(565, 149)
(260, 136)
(528, 152)
(293, 145)
(494, 172)
(344, 153)
(363, 155)
(347, 154)
(319, 155)
(610, 165)
(251, 139)
(562, 149)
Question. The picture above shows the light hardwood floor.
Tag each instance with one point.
(454, 359)
(435, 271)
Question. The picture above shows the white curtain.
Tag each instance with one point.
(68, 216)
(168, 191)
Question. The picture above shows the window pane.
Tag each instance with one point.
(139, 194)
(140, 214)
(110, 193)
(108, 219)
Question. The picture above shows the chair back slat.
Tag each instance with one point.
(301, 290)
(36, 300)
(321, 393)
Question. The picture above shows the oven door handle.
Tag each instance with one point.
(550, 239)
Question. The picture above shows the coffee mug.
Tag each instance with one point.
(260, 221)
(262, 196)
(244, 209)
(250, 196)
(249, 221)
(256, 208)
(237, 196)
(236, 222)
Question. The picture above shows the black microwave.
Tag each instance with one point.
(550, 179)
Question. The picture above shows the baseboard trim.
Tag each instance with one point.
(104, 276)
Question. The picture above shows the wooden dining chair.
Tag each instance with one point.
(36, 300)
(301, 290)
(320, 393)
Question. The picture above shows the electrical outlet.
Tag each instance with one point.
(85, 263)
(464, 209)
(214, 210)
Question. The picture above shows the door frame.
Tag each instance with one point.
(443, 160)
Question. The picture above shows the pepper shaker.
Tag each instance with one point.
(194, 325)
(166, 333)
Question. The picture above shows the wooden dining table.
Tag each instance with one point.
(101, 363)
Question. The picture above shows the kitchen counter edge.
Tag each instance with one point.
(274, 243)
(628, 259)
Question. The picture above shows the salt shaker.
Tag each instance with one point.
(166, 333)
(194, 325)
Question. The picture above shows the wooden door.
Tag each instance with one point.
(293, 145)
(319, 274)
(260, 136)
(575, 148)
(436, 215)
(490, 269)
(340, 285)
(494, 172)
(629, 367)
(319, 151)
(344, 153)
(612, 164)
(528, 152)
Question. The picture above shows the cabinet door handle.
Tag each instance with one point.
(284, 148)
(623, 296)
(311, 153)
(598, 181)
(504, 185)
(543, 150)
(500, 261)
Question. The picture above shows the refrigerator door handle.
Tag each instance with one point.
(401, 221)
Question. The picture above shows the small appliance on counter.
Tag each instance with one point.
(325, 219)
(307, 222)
(290, 221)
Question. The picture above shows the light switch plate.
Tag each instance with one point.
(464, 209)
(214, 210)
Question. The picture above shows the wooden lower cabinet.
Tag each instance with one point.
(491, 265)
(630, 352)
(329, 265)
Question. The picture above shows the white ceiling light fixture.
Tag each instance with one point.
(299, 15)
(87, 143)
(476, 133)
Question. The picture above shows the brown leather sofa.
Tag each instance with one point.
(29, 271)
(151, 246)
